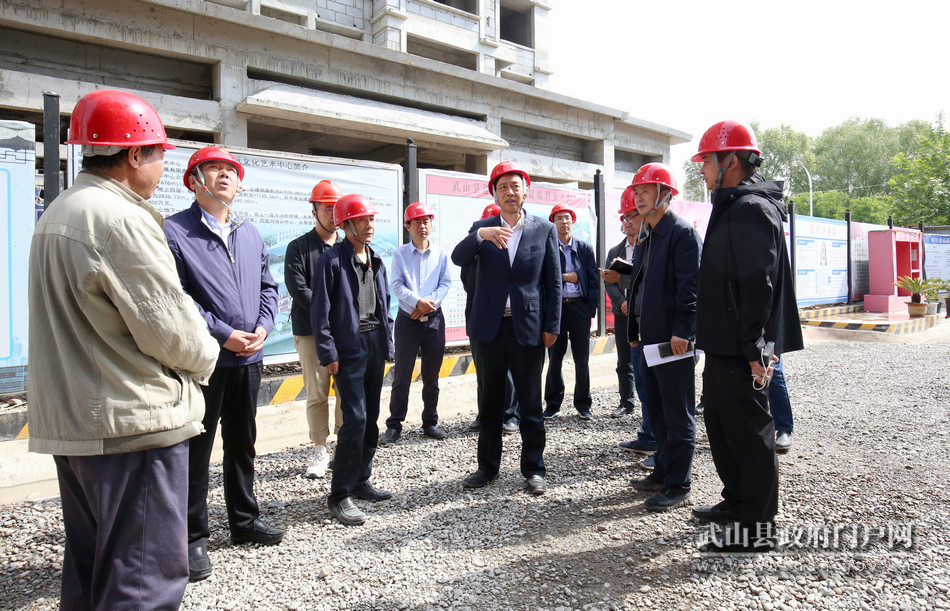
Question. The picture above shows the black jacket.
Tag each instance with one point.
(669, 282)
(746, 289)
(300, 261)
(617, 291)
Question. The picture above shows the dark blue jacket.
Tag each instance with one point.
(587, 277)
(669, 281)
(533, 283)
(231, 285)
(334, 312)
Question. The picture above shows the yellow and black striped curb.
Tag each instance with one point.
(897, 328)
(829, 312)
(290, 388)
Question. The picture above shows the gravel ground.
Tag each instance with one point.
(871, 430)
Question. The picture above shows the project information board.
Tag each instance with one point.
(275, 198)
(937, 256)
(458, 199)
(17, 220)
(821, 260)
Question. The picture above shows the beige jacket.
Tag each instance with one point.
(117, 349)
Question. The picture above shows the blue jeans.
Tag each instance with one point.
(639, 377)
(779, 404)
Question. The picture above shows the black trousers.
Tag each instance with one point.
(671, 404)
(575, 328)
(494, 359)
(410, 336)
(124, 517)
(624, 364)
(742, 439)
(358, 385)
(231, 397)
(511, 409)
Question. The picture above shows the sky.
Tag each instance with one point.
(809, 65)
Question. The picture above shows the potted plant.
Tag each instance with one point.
(916, 287)
(931, 294)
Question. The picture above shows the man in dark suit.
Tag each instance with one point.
(662, 302)
(580, 294)
(516, 314)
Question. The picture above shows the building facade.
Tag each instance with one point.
(344, 78)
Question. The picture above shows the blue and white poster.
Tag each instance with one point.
(821, 260)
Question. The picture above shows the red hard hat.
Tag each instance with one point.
(109, 117)
(507, 167)
(326, 192)
(417, 210)
(490, 211)
(627, 202)
(562, 208)
(657, 174)
(211, 153)
(727, 136)
(350, 207)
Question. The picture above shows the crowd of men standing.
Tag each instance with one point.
(154, 329)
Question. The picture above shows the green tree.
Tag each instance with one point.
(922, 183)
(858, 156)
(827, 205)
(874, 209)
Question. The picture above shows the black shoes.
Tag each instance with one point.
(390, 436)
(584, 413)
(620, 412)
(668, 499)
(550, 412)
(715, 513)
(536, 485)
(199, 565)
(646, 484)
(478, 479)
(367, 492)
(257, 533)
(511, 427)
(433, 432)
(476, 424)
(347, 512)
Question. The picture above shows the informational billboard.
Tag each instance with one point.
(457, 200)
(937, 256)
(274, 197)
(821, 260)
(17, 220)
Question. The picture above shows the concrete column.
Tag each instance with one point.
(230, 89)
(601, 152)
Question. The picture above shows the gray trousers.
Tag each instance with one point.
(125, 517)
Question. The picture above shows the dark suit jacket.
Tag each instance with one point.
(533, 282)
(300, 262)
(617, 291)
(587, 277)
(670, 281)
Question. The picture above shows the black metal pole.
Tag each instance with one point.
(600, 208)
(847, 219)
(411, 169)
(890, 221)
(50, 147)
(791, 242)
(923, 250)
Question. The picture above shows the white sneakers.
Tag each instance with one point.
(318, 466)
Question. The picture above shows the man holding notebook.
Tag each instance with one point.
(662, 310)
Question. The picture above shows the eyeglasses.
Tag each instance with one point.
(629, 219)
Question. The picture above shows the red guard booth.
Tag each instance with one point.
(892, 253)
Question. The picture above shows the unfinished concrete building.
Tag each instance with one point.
(345, 78)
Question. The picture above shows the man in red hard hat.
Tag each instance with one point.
(349, 313)
(510, 417)
(516, 315)
(299, 264)
(580, 296)
(420, 281)
(662, 307)
(117, 354)
(746, 312)
(224, 265)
